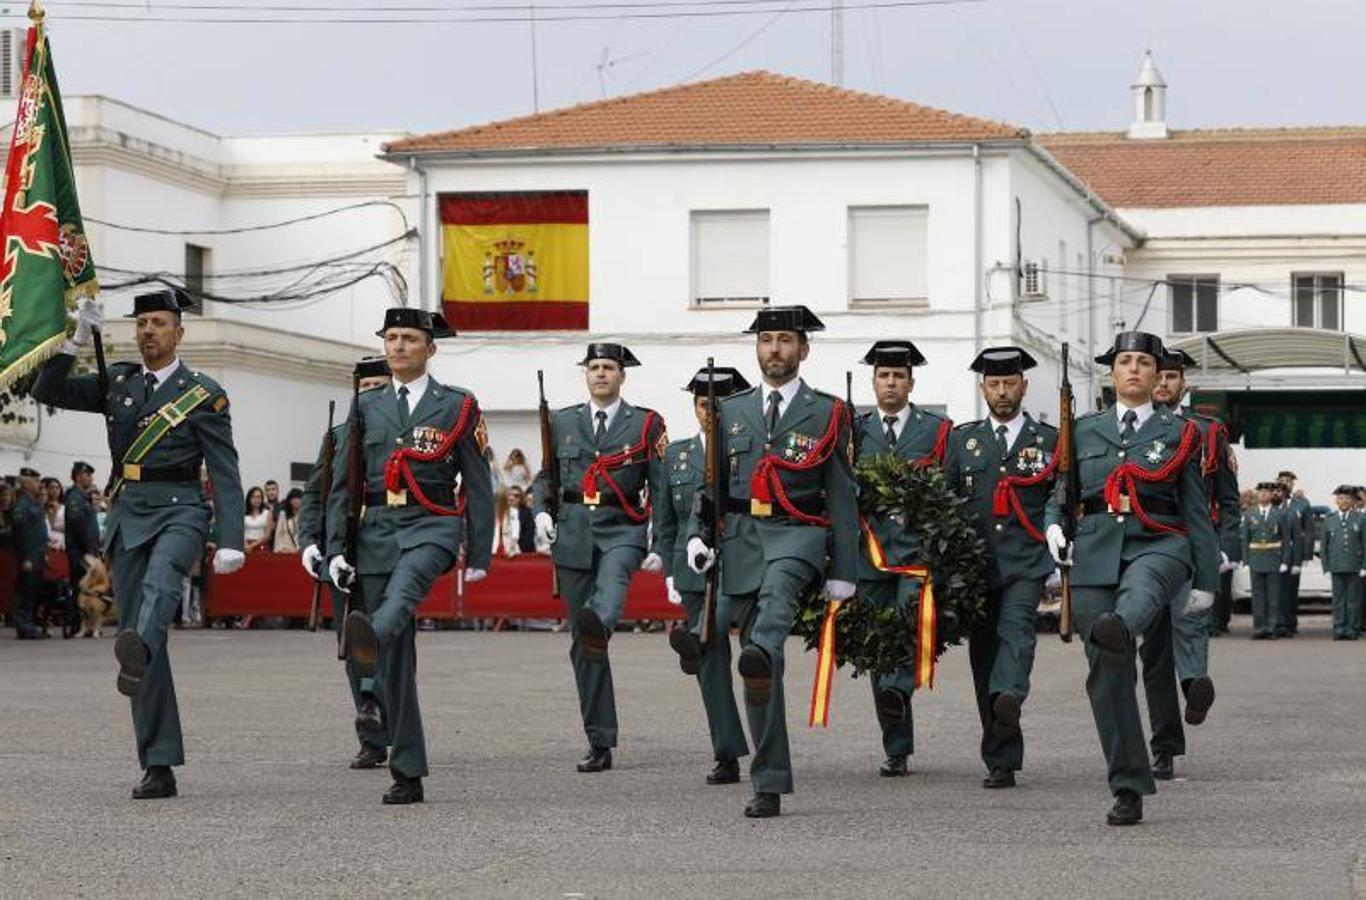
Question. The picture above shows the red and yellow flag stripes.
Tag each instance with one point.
(515, 261)
(819, 715)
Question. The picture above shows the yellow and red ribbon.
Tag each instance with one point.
(825, 669)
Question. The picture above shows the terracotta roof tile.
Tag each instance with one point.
(749, 109)
(1218, 167)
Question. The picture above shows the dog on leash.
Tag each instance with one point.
(96, 598)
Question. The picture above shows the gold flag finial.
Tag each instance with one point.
(35, 12)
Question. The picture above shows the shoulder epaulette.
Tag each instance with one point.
(965, 425)
(1044, 426)
(929, 413)
(570, 408)
(1093, 414)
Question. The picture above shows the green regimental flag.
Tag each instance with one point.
(47, 262)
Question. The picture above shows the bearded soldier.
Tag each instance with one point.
(1005, 467)
(1144, 531)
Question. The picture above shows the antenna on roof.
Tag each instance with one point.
(837, 43)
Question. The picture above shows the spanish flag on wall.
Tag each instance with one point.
(515, 261)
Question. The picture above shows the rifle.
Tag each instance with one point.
(1069, 491)
(853, 417)
(355, 500)
(712, 508)
(324, 488)
(550, 468)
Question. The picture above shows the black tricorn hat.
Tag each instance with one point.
(1286, 473)
(1002, 361)
(896, 353)
(28, 472)
(1133, 342)
(371, 367)
(1268, 485)
(81, 468)
(170, 300)
(407, 317)
(1348, 489)
(727, 381)
(1176, 361)
(785, 318)
(617, 353)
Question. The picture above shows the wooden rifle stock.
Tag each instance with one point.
(713, 508)
(1068, 491)
(355, 502)
(550, 467)
(324, 489)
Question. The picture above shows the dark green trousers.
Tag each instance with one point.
(27, 586)
(391, 599)
(602, 588)
(898, 737)
(353, 681)
(1346, 603)
(1145, 586)
(149, 583)
(1266, 589)
(1289, 603)
(1159, 687)
(714, 679)
(765, 618)
(1001, 651)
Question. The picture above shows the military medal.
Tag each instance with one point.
(971, 444)
(1155, 454)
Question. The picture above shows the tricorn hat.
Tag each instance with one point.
(1348, 489)
(726, 381)
(1286, 473)
(1268, 485)
(894, 353)
(618, 353)
(1175, 361)
(28, 472)
(170, 300)
(371, 367)
(785, 318)
(1003, 361)
(81, 468)
(1133, 342)
(407, 317)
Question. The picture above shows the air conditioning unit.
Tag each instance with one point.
(1032, 285)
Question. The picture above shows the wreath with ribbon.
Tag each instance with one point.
(882, 639)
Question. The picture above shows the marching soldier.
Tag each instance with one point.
(164, 421)
(1177, 646)
(611, 465)
(1004, 465)
(686, 463)
(1343, 549)
(82, 526)
(30, 544)
(1266, 533)
(1297, 508)
(920, 437)
(1144, 531)
(374, 742)
(790, 495)
(419, 436)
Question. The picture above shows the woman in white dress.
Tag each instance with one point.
(257, 530)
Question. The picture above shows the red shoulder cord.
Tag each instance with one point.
(1006, 499)
(601, 466)
(941, 444)
(1124, 480)
(398, 474)
(1210, 465)
(766, 485)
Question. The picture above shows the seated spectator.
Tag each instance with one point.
(516, 473)
(257, 526)
(287, 525)
(516, 529)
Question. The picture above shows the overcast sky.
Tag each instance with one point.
(1044, 64)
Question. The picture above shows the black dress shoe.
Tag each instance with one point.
(893, 766)
(726, 771)
(688, 648)
(1128, 809)
(404, 790)
(1006, 711)
(362, 644)
(757, 673)
(132, 655)
(1109, 633)
(1164, 767)
(599, 759)
(369, 757)
(999, 778)
(593, 633)
(158, 782)
(1199, 698)
(369, 719)
(763, 806)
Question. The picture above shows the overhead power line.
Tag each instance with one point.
(246, 229)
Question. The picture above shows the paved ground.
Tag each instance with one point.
(1272, 801)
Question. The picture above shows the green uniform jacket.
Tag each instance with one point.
(142, 510)
(1105, 541)
(750, 543)
(973, 469)
(30, 530)
(387, 531)
(310, 519)
(1275, 528)
(916, 444)
(82, 524)
(1343, 544)
(579, 528)
(1304, 529)
(1221, 481)
(686, 462)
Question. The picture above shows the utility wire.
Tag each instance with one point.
(253, 228)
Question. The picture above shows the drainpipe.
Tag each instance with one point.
(423, 281)
(1091, 308)
(977, 267)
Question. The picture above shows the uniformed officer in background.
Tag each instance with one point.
(82, 528)
(1303, 517)
(1343, 549)
(1268, 547)
(30, 545)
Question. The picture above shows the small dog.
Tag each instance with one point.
(97, 599)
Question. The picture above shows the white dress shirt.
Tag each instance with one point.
(416, 388)
(1013, 429)
(161, 374)
(786, 393)
(1144, 413)
(611, 410)
(903, 416)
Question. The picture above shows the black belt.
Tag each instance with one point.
(778, 514)
(440, 494)
(605, 498)
(1154, 506)
(161, 474)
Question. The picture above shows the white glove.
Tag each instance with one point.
(1284, 568)
(1294, 570)
(674, 596)
(88, 318)
(226, 561)
(1362, 573)
(700, 556)
(1224, 564)
(341, 573)
(652, 564)
(545, 528)
(312, 559)
(1199, 601)
(839, 590)
(1058, 545)
(473, 575)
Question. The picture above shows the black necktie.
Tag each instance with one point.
(151, 383)
(890, 422)
(1130, 417)
(1001, 439)
(403, 411)
(773, 399)
(601, 431)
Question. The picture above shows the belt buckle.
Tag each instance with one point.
(396, 498)
(1123, 505)
(592, 499)
(759, 509)
(132, 472)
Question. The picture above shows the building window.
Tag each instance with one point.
(729, 256)
(1194, 303)
(1318, 300)
(888, 254)
(196, 268)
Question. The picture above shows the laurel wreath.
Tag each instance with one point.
(880, 640)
